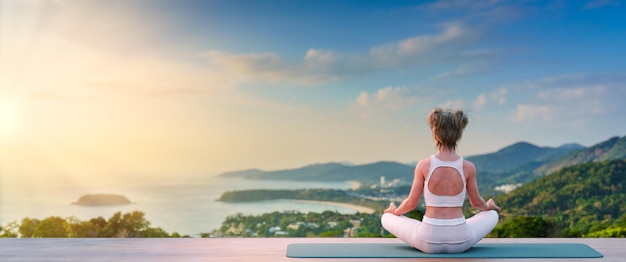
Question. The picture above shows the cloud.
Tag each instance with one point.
(480, 101)
(320, 57)
(320, 66)
(454, 104)
(530, 112)
(446, 5)
(462, 71)
(571, 97)
(448, 45)
(478, 12)
(383, 101)
(497, 97)
(271, 67)
(601, 3)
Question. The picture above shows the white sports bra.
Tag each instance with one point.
(441, 200)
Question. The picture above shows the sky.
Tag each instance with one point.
(94, 90)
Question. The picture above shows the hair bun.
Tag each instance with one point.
(459, 119)
(447, 126)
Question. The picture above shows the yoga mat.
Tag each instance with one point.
(480, 250)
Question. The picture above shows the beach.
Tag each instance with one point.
(358, 208)
(355, 184)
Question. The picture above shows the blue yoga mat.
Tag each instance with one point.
(480, 250)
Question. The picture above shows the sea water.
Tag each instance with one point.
(187, 207)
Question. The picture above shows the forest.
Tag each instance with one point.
(585, 200)
(133, 224)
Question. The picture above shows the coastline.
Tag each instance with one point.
(358, 208)
(355, 184)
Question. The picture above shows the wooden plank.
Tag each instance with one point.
(234, 249)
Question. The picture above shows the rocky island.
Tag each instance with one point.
(102, 200)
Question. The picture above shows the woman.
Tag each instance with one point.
(444, 178)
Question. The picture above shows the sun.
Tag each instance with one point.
(9, 117)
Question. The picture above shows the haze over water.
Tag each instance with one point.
(187, 207)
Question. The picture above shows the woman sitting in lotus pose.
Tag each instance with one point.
(444, 178)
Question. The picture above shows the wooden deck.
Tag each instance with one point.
(236, 249)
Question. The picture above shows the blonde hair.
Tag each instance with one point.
(447, 126)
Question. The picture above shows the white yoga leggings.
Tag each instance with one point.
(441, 235)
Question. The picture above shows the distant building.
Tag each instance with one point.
(271, 230)
(281, 234)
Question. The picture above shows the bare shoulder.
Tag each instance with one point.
(468, 164)
(468, 168)
(424, 163)
(423, 166)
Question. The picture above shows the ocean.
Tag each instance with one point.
(188, 207)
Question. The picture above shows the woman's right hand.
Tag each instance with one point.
(491, 205)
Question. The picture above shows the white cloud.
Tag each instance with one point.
(527, 112)
(363, 99)
(480, 101)
(271, 67)
(497, 97)
(322, 66)
(570, 97)
(601, 3)
(454, 104)
(421, 44)
(320, 57)
(461, 71)
(383, 101)
(444, 5)
(561, 93)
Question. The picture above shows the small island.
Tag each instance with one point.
(102, 200)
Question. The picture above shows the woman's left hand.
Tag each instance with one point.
(391, 208)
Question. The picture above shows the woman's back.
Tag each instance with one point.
(444, 187)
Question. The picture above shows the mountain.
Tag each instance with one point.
(369, 173)
(613, 148)
(546, 162)
(519, 163)
(576, 199)
(519, 154)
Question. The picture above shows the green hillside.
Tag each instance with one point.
(575, 201)
(614, 148)
(519, 154)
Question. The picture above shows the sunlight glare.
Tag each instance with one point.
(9, 117)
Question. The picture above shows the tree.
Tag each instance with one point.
(127, 225)
(51, 227)
(10, 230)
(524, 226)
(156, 232)
(27, 228)
(609, 232)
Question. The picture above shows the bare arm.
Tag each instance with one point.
(476, 200)
(417, 187)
